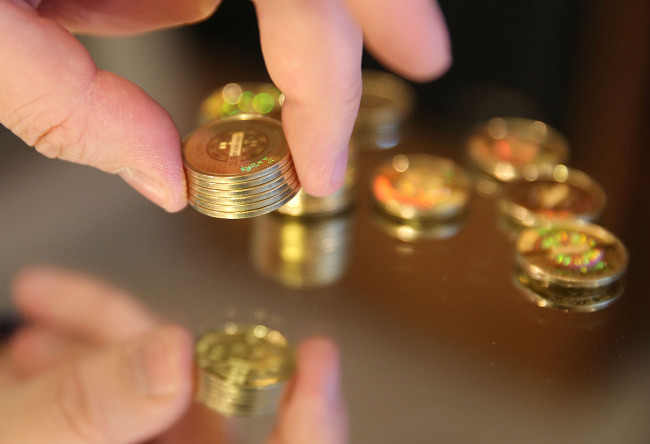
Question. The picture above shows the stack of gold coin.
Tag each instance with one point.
(386, 102)
(302, 253)
(504, 149)
(242, 369)
(572, 266)
(552, 193)
(242, 98)
(239, 167)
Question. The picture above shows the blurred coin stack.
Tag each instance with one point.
(386, 102)
(239, 167)
(420, 196)
(242, 98)
(302, 253)
(242, 369)
(505, 149)
(571, 266)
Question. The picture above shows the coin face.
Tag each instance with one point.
(503, 148)
(246, 355)
(237, 147)
(571, 254)
(420, 186)
(557, 193)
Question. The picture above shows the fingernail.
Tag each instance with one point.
(146, 185)
(156, 366)
(340, 167)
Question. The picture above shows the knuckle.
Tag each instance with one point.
(77, 410)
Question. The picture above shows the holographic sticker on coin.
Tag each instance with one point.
(552, 193)
(242, 369)
(503, 148)
(421, 187)
(572, 255)
(243, 98)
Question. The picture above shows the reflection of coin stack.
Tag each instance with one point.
(420, 196)
(242, 369)
(571, 266)
(503, 150)
(552, 193)
(242, 98)
(386, 102)
(239, 167)
(301, 252)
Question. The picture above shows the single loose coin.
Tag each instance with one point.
(503, 148)
(421, 186)
(238, 148)
(571, 254)
(552, 192)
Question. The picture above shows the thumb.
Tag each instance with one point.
(120, 395)
(54, 98)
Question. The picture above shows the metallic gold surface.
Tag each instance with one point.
(386, 102)
(573, 299)
(421, 187)
(242, 98)
(242, 369)
(571, 254)
(235, 149)
(239, 167)
(552, 193)
(302, 253)
(503, 148)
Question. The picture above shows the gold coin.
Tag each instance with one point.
(568, 299)
(242, 368)
(252, 196)
(551, 193)
(243, 98)
(275, 176)
(504, 148)
(235, 149)
(240, 214)
(420, 186)
(571, 254)
(237, 205)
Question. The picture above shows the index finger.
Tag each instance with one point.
(313, 53)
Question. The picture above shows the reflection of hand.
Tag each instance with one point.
(53, 96)
(93, 366)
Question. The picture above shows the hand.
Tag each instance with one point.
(54, 98)
(93, 366)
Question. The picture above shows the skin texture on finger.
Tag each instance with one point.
(53, 97)
(122, 395)
(313, 52)
(79, 305)
(409, 37)
(116, 17)
(313, 409)
(34, 349)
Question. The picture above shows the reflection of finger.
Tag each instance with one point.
(313, 410)
(409, 37)
(125, 16)
(124, 394)
(54, 98)
(34, 349)
(79, 305)
(313, 53)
